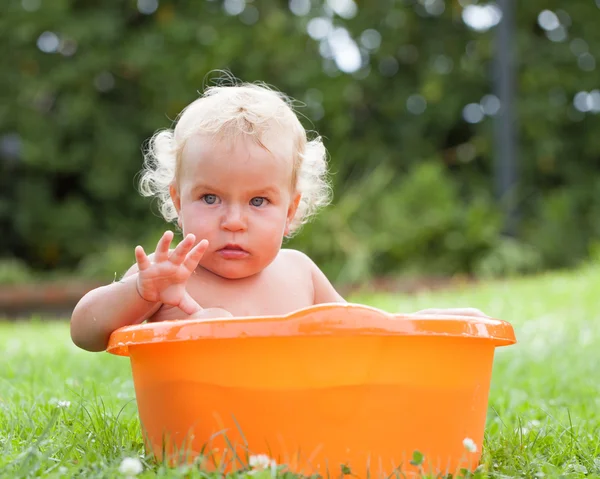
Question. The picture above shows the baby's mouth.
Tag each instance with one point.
(233, 251)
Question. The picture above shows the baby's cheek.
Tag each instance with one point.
(273, 230)
(202, 219)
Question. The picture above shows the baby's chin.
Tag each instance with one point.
(232, 271)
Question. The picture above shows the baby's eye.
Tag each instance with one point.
(210, 199)
(258, 201)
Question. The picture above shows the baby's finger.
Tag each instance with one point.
(194, 256)
(188, 305)
(179, 254)
(141, 259)
(162, 248)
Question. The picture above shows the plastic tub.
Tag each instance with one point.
(325, 386)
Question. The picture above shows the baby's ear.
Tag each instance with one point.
(292, 212)
(174, 192)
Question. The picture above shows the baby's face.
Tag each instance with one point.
(239, 197)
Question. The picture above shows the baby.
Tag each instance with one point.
(238, 174)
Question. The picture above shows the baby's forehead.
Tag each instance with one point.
(272, 147)
(240, 165)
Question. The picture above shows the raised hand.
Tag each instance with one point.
(163, 278)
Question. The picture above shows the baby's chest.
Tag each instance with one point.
(271, 295)
(268, 297)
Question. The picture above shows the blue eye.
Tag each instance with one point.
(257, 201)
(210, 199)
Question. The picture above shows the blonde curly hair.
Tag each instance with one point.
(245, 109)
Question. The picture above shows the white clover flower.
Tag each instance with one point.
(63, 404)
(262, 462)
(469, 444)
(131, 467)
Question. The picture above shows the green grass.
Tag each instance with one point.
(544, 414)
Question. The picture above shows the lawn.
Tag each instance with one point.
(70, 413)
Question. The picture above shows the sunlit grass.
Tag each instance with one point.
(66, 413)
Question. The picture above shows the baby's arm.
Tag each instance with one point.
(326, 293)
(105, 309)
(323, 289)
(148, 284)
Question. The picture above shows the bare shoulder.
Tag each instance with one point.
(295, 257)
(324, 292)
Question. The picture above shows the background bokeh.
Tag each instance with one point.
(402, 92)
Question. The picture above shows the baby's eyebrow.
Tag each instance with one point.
(202, 187)
(267, 190)
(270, 190)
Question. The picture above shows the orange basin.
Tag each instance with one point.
(322, 387)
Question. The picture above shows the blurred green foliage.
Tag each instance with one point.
(85, 83)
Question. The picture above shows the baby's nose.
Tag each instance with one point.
(234, 220)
